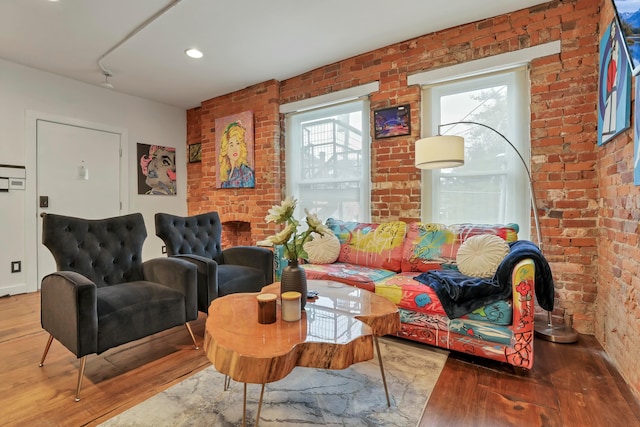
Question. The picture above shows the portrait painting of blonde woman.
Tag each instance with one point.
(235, 151)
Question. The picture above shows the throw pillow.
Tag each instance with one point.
(322, 249)
(480, 256)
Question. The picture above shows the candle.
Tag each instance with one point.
(291, 310)
(266, 308)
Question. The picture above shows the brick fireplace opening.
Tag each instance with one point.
(236, 233)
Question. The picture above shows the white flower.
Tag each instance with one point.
(293, 241)
(312, 220)
(283, 236)
(283, 212)
(323, 229)
(316, 225)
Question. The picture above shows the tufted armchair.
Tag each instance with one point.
(103, 294)
(220, 272)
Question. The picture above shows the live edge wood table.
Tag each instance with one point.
(337, 329)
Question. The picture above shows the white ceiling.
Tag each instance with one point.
(244, 41)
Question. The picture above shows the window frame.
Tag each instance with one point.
(518, 192)
(293, 141)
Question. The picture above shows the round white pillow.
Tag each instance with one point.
(480, 256)
(322, 249)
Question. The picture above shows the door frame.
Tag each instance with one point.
(31, 192)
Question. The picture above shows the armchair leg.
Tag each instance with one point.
(193, 338)
(83, 362)
(46, 350)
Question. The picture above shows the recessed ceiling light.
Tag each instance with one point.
(194, 53)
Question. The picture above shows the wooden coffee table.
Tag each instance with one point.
(337, 329)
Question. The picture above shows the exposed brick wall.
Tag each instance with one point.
(563, 137)
(239, 204)
(618, 298)
(565, 165)
(195, 193)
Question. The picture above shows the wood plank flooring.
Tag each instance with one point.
(570, 385)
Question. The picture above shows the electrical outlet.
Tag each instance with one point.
(16, 266)
(164, 249)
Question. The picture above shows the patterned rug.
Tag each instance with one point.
(350, 397)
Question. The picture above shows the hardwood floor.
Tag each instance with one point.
(570, 385)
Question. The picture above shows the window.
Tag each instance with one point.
(327, 160)
(492, 186)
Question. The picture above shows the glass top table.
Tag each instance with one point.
(337, 329)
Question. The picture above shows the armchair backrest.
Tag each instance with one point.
(106, 251)
(193, 235)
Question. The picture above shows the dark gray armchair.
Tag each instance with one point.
(103, 294)
(220, 272)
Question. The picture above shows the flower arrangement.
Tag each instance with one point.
(290, 237)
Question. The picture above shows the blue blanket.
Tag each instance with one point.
(520, 250)
(460, 294)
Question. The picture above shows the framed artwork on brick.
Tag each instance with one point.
(636, 136)
(235, 151)
(627, 13)
(195, 153)
(614, 85)
(392, 121)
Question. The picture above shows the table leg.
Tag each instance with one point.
(244, 407)
(384, 379)
(227, 382)
(259, 405)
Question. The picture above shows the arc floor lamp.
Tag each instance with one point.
(447, 151)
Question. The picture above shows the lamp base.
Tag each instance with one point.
(564, 334)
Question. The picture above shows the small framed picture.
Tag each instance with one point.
(392, 121)
(195, 152)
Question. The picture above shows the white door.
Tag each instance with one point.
(78, 172)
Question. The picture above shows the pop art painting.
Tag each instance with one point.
(157, 170)
(235, 151)
(614, 89)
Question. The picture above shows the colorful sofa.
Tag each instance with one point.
(387, 258)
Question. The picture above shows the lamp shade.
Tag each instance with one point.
(439, 152)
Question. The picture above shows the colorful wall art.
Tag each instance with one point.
(614, 92)
(235, 151)
(157, 170)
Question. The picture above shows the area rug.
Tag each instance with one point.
(350, 397)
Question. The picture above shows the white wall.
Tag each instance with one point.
(23, 90)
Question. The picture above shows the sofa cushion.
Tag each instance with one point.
(370, 245)
(402, 290)
(351, 274)
(408, 294)
(462, 232)
(425, 246)
(480, 256)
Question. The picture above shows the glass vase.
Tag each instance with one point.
(294, 278)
